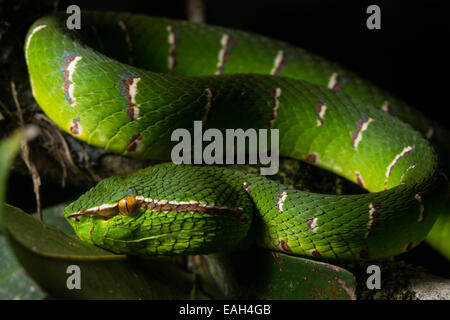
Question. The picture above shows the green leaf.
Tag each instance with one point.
(8, 150)
(54, 217)
(14, 282)
(46, 253)
(261, 274)
(439, 235)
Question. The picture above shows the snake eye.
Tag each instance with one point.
(128, 206)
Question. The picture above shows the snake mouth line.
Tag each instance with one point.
(107, 211)
(104, 211)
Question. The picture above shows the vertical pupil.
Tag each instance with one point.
(128, 205)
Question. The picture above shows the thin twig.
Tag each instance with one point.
(195, 11)
(25, 153)
(55, 5)
(4, 109)
(88, 167)
(66, 156)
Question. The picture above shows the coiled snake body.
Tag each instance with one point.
(225, 78)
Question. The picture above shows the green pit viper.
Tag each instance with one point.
(94, 84)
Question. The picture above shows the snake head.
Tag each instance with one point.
(104, 201)
(165, 209)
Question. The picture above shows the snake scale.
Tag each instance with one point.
(126, 82)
